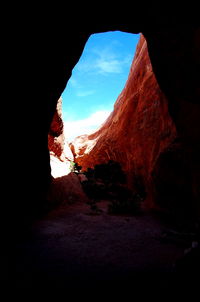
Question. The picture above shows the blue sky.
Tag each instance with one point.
(96, 81)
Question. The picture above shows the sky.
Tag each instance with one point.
(97, 80)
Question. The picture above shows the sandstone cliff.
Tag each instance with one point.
(65, 186)
(138, 129)
(58, 146)
(56, 134)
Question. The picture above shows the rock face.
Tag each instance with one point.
(65, 186)
(58, 146)
(176, 176)
(56, 135)
(138, 129)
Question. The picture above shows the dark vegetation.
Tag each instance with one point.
(108, 182)
(74, 167)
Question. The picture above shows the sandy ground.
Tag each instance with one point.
(74, 246)
(75, 249)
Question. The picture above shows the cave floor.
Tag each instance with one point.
(76, 246)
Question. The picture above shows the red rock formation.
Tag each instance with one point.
(57, 144)
(138, 129)
(56, 134)
(65, 185)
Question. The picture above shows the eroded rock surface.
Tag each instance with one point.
(56, 134)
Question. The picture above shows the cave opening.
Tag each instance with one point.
(87, 101)
(96, 81)
(91, 92)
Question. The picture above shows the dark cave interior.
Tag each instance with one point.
(41, 67)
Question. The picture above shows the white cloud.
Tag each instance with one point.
(85, 66)
(85, 93)
(73, 82)
(75, 128)
(104, 61)
(104, 65)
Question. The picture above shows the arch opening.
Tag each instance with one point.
(89, 96)
(97, 80)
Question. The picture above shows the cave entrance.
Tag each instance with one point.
(96, 81)
(88, 99)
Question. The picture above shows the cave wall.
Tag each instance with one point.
(40, 49)
(177, 173)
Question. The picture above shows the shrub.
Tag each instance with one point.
(94, 190)
(74, 167)
(108, 181)
(110, 172)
